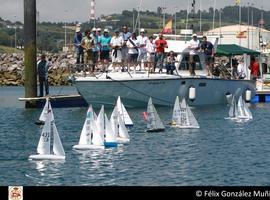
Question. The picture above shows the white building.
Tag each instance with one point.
(248, 37)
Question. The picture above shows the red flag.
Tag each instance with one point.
(145, 116)
(168, 27)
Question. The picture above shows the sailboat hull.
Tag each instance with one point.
(163, 89)
(186, 127)
(122, 140)
(87, 147)
(155, 130)
(46, 157)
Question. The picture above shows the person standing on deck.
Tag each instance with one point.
(133, 51)
(95, 48)
(116, 45)
(125, 34)
(143, 40)
(43, 75)
(78, 48)
(105, 40)
(193, 47)
(207, 48)
(255, 68)
(150, 48)
(87, 43)
(160, 44)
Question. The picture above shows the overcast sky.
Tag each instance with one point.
(79, 10)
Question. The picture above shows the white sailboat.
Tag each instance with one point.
(89, 138)
(49, 132)
(182, 115)
(110, 136)
(239, 110)
(154, 123)
(119, 127)
(243, 111)
(43, 115)
(123, 113)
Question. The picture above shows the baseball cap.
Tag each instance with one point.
(142, 30)
(78, 29)
(194, 35)
(94, 29)
(106, 30)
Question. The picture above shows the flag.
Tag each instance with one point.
(241, 34)
(145, 116)
(168, 27)
(237, 2)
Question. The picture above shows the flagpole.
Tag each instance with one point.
(240, 22)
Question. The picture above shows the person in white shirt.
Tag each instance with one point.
(150, 48)
(116, 45)
(133, 51)
(143, 39)
(241, 69)
(194, 46)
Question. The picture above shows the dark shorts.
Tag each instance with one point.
(208, 59)
(133, 57)
(104, 55)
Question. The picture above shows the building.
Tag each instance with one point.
(243, 35)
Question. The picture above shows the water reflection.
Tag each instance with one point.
(46, 172)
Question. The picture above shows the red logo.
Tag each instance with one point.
(15, 192)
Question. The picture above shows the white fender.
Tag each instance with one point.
(248, 95)
(192, 93)
(229, 97)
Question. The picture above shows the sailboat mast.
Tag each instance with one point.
(187, 21)
(214, 14)
(138, 21)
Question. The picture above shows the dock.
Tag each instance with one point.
(262, 96)
(58, 101)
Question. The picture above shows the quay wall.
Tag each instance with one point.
(12, 68)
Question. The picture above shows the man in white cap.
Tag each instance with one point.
(143, 40)
(194, 46)
(78, 48)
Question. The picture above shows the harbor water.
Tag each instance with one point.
(220, 153)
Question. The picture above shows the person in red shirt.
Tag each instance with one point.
(255, 69)
(160, 44)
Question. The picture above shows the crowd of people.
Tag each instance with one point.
(95, 50)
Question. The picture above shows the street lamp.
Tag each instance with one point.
(15, 37)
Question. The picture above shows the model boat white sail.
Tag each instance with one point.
(43, 115)
(89, 138)
(123, 113)
(243, 111)
(110, 136)
(119, 127)
(49, 133)
(239, 110)
(88, 131)
(154, 123)
(182, 115)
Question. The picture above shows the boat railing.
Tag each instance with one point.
(218, 70)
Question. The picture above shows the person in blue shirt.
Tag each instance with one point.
(42, 68)
(105, 40)
(78, 48)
